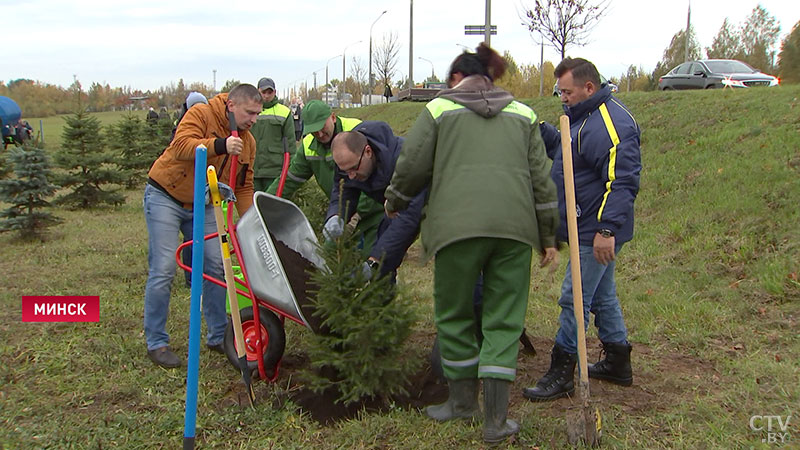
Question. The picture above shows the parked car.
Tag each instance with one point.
(715, 73)
(603, 82)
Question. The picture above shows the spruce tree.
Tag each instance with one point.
(26, 193)
(87, 164)
(136, 153)
(363, 351)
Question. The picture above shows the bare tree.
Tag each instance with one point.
(356, 82)
(564, 22)
(385, 59)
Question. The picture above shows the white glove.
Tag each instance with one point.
(333, 228)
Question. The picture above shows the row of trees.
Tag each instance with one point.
(564, 23)
(37, 99)
(90, 169)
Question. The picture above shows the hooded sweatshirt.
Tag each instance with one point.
(483, 156)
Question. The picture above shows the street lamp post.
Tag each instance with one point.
(433, 75)
(344, 74)
(326, 76)
(370, 56)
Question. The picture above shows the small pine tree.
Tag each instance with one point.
(363, 351)
(129, 137)
(26, 192)
(86, 163)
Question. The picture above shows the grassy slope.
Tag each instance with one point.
(711, 275)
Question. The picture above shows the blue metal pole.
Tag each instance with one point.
(198, 239)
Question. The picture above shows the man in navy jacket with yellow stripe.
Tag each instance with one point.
(365, 158)
(607, 161)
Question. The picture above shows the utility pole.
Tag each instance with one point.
(688, 28)
(487, 34)
(411, 45)
(369, 99)
(214, 85)
(541, 70)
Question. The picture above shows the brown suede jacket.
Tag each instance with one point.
(207, 125)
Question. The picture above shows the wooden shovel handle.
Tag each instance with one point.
(574, 246)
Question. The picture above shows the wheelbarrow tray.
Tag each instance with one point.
(266, 275)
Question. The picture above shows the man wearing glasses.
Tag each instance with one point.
(365, 158)
(313, 158)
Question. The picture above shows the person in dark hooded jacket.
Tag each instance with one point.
(491, 201)
(365, 158)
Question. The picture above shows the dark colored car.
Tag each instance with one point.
(715, 73)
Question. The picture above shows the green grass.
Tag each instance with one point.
(709, 287)
(50, 127)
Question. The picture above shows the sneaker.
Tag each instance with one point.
(164, 357)
(216, 348)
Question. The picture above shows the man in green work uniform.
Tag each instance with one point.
(314, 157)
(275, 125)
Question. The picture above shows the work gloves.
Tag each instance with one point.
(225, 193)
(334, 227)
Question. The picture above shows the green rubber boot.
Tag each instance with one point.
(496, 424)
(462, 402)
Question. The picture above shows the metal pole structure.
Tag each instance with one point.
(433, 75)
(214, 86)
(688, 25)
(487, 33)
(326, 76)
(411, 45)
(369, 99)
(541, 70)
(344, 74)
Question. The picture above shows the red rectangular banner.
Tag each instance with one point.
(61, 308)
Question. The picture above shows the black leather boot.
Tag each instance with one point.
(616, 367)
(559, 381)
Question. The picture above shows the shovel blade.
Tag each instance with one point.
(584, 425)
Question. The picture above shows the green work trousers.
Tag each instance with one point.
(261, 184)
(506, 266)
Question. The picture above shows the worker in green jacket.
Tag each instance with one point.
(273, 129)
(491, 200)
(314, 157)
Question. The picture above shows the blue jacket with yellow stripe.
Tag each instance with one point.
(606, 164)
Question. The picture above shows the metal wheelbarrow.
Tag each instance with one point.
(264, 278)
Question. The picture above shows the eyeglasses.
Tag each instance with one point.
(354, 169)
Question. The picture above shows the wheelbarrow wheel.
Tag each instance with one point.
(270, 335)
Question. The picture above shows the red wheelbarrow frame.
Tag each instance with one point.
(256, 302)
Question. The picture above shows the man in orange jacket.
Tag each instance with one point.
(168, 198)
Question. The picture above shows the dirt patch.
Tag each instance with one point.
(661, 378)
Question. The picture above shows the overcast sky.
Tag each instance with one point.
(146, 44)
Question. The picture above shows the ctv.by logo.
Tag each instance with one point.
(774, 426)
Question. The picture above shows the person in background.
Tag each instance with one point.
(313, 158)
(152, 116)
(193, 98)
(273, 128)
(297, 109)
(168, 198)
(607, 162)
(491, 201)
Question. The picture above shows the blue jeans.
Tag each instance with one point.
(164, 219)
(599, 297)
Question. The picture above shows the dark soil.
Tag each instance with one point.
(298, 271)
(669, 377)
